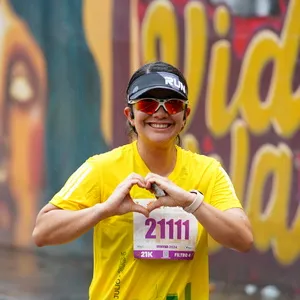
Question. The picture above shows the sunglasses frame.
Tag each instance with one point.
(161, 103)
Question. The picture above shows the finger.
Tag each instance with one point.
(140, 209)
(149, 180)
(136, 176)
(161, 182)
(141, 184)
(151, 176)
(131, 182)
(125, 187)
(155, 204)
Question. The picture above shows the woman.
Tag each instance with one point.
(148, 247)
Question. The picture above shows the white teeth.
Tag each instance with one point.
(155, 125)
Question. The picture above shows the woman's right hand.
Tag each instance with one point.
(120, 201)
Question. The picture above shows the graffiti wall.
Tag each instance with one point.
(64, 69)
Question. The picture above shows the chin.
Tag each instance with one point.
(162, 138)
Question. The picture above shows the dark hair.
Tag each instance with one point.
(158, 66)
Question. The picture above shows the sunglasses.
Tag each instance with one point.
(151, 105)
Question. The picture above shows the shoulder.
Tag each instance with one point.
(113, 156)
(196, 160)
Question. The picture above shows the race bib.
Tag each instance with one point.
(168, 233)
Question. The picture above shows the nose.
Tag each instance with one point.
(161, 113)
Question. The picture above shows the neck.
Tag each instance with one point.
(160, 159)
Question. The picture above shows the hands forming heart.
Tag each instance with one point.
(120, 201)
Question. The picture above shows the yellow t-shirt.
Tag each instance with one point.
(117, 274)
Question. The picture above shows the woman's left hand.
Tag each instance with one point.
(176, 196)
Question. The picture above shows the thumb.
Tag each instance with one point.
(140, 209)
(154, 204)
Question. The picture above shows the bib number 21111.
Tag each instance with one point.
(168, 233)
(175, 229)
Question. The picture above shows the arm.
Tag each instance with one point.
(221, 217)
(58, 226)
(230, 228)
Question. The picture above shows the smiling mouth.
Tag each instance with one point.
(159, 126)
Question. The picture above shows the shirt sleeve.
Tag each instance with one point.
(223, 194)
(81, 190)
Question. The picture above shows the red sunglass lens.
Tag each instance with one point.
(147, 106)
(174, 106)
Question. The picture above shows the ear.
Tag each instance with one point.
(129, 115)
(187, 112)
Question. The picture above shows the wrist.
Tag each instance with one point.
(190, 197)
(196, 203)
(102, 211)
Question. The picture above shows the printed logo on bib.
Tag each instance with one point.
(168, 233)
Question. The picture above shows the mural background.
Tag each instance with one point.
(64, 67)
